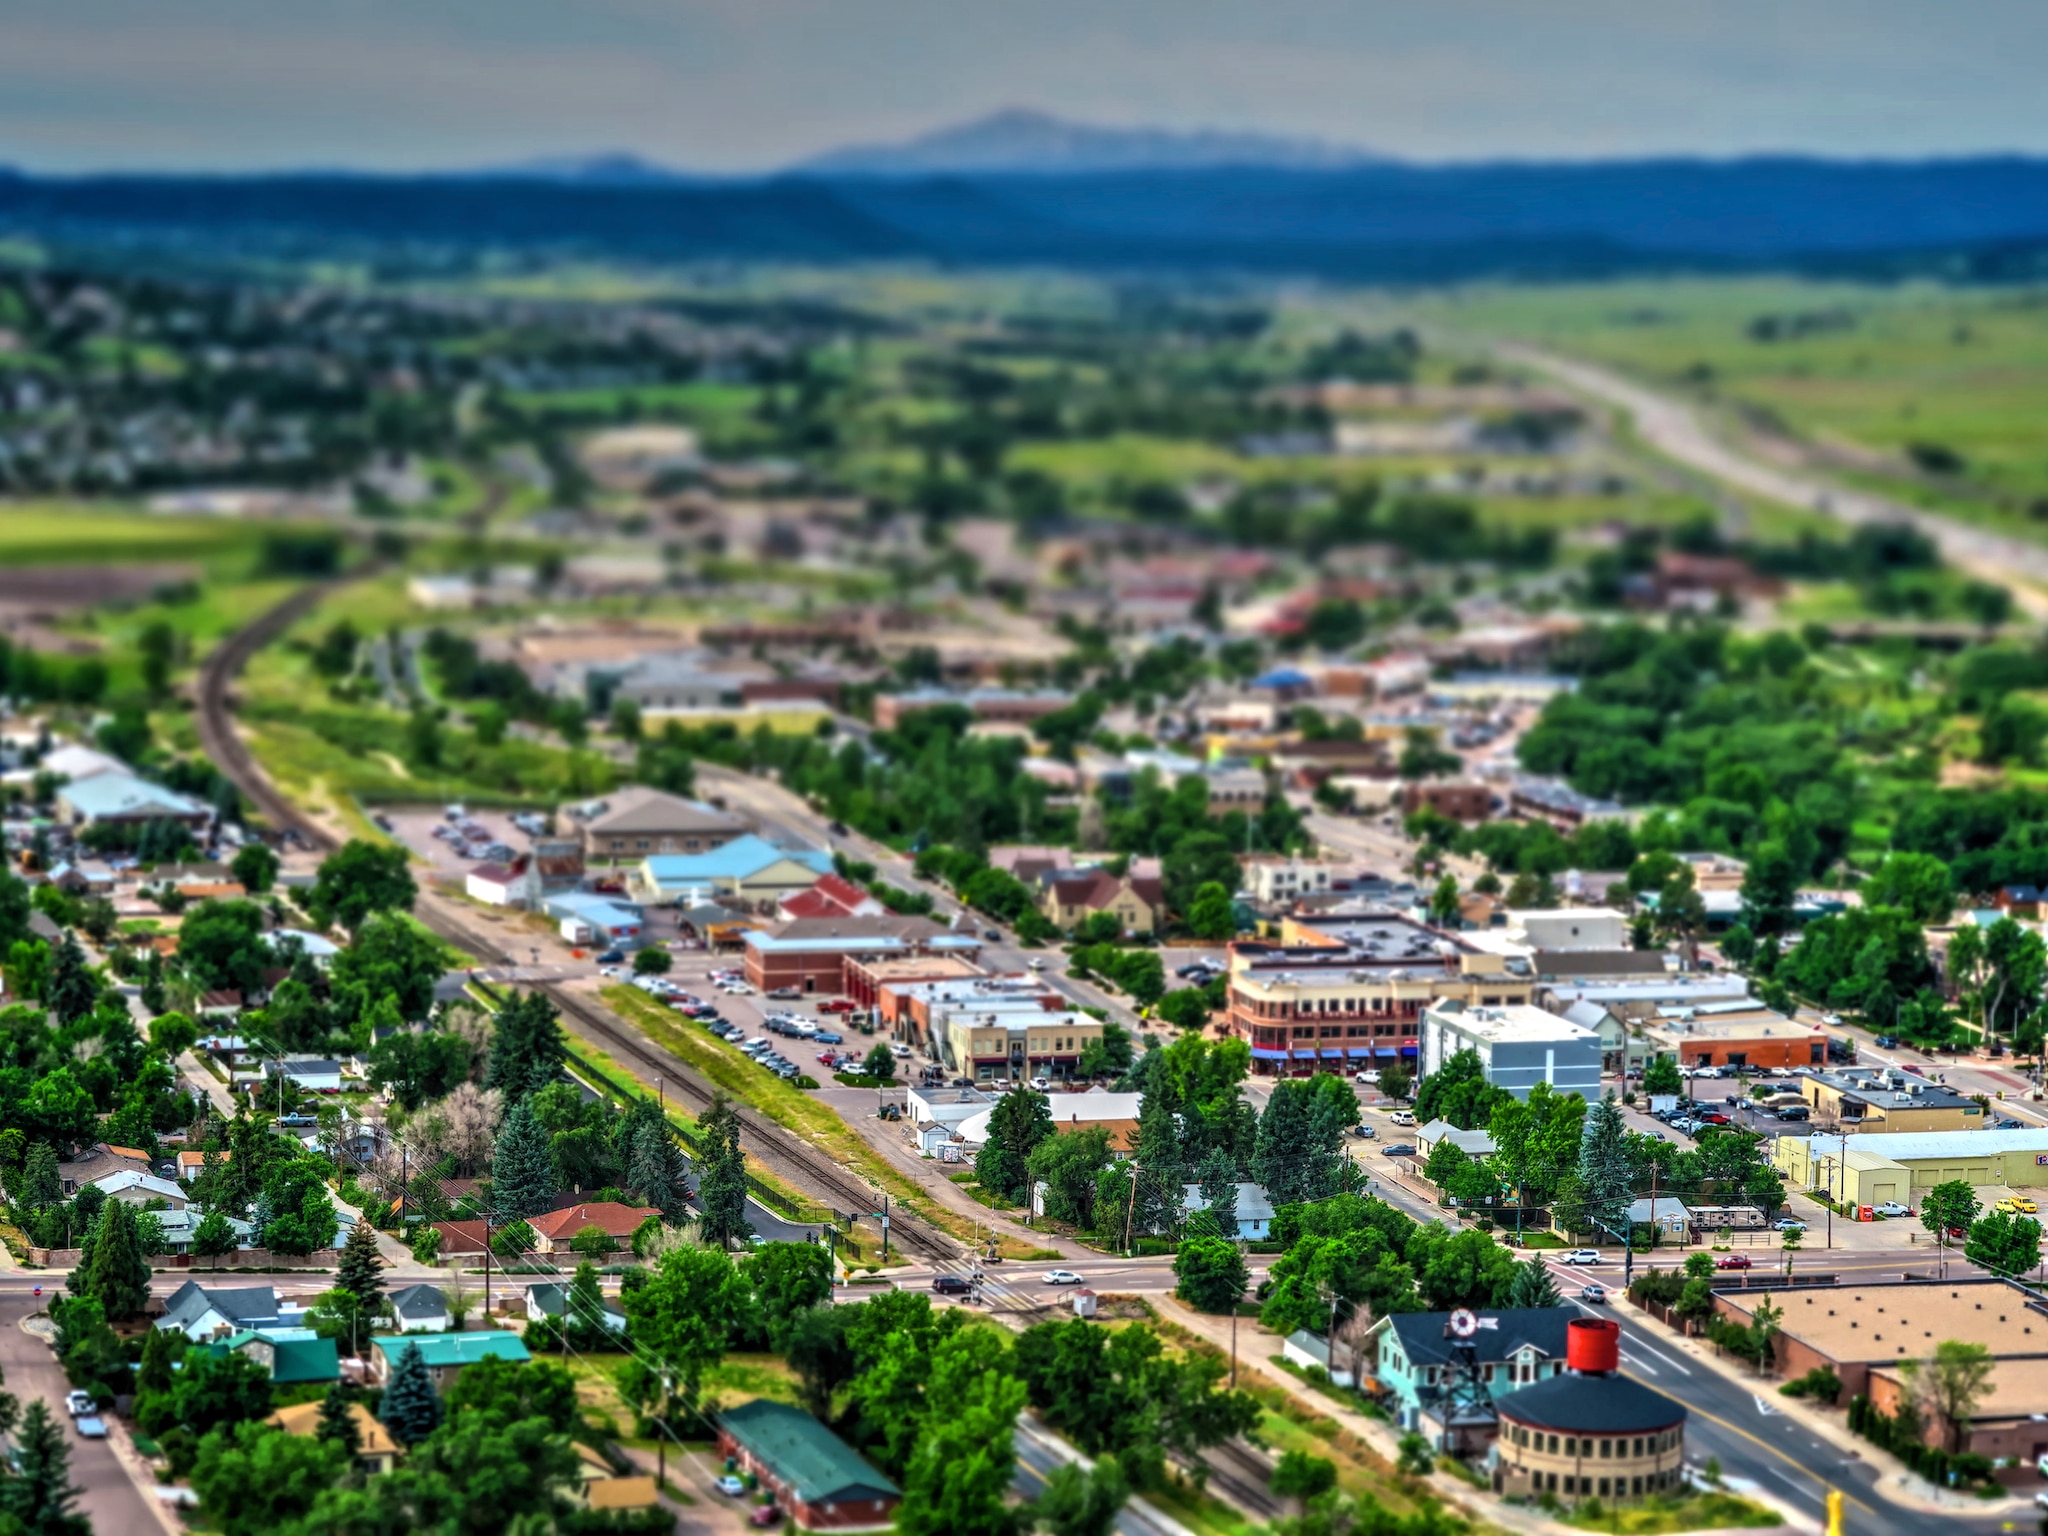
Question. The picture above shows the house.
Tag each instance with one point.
(292, 1356)
(462, 1239)
(1311, 1351)
(1471, 1143)
(549, 1300)
(1254, 1209)
(138, 1189)
(1521, 1046)
(201, 1312)
(74, 1174)
(748, 868)
(445, 1354)
(496, 885)
(554, 1232)
(310, 1074)
(1409, 1354)
(376, 1451)
(832, 896)
(635, 821)
(1139, 905)
(190, 1165)
(122, 799)
(816, 1479)
(182, 1227)
(600, 1487)
(420, 1309)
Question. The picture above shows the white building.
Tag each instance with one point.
(1254, 1210)
(1570, 928)
(1518, 1045)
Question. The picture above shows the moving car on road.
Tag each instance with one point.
(1734, 1261)
(1060, 1277)
(950, 1285)
(1596, 1293)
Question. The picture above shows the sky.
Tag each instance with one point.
(736, 86)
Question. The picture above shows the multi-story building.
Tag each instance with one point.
(1589, 1432)
(1519, 1046)
(1018, 1043)
(1273, 877)
(1345, 988)
(635, 821)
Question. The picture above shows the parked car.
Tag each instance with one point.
(1400, 1149)
(612, 957)
(2019, 1205)
(1595, 1293)
(765, 1515)
(79, 1403)
(1789, 1224)
(1734, 1261)
(785, 993)
(1402, 1117)
(837, 1005)
(2008, 1125)
(1040, 1085)
(1581, 1256)
(1060, 1277)
(950, 1285)
(93, 1427)
(1892, 1208)
(730, 1486)
(1035, 963)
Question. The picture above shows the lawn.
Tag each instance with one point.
(45, 532)
(1706, 1511)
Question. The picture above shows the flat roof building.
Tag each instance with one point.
(1518, 1045)
(1872, 1168)
(1887, 1101)
(1017, 1043)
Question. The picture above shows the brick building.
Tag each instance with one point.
(811, 954)
(816, 1478)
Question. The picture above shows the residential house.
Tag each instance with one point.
(1409, 1354)
(376, 1452)
(816, 1478)
(138, 1189)
(182, 1227)
(1138, 905)
(73, 1174)
(420, 1309)
(549, 1300)
(203, 1312)
(1670, 1217)
(1254, 1210)
(554, 1232)
(1475, 1143)
(635, 821)
(445, 1354)
(496, 885)
(310, 1074)
(292, 1356)
(1311, 1351)
(601, 1487)
(832, 896)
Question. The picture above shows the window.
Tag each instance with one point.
(1571, 1444)
(1571, 1484)
(1606, 1447)
(1605, 1484)
(1635, 1485)
(1553, 1445)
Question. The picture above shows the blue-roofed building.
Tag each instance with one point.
(1284, 683)
(122, 797)
(749, 869)
(586, 918)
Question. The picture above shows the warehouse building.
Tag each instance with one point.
(1887, 1101)
(1869, 1169)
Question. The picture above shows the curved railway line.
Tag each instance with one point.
(773, 1144)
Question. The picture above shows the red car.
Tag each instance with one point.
(1715, 1117)
(836, 1005)
(1734, 1261)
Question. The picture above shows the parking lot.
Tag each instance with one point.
(415, 827)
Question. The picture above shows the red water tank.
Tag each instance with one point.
(1593, 1344)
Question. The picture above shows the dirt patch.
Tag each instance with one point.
(46, 592)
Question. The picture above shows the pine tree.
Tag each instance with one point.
(522, 1170)
(1156, 1204)
(1284, 1160)
(583, 1310)
(722, 1186)
(1606, 1175)
(41, 1187)
(527, 1050)
(72, 991)
(1534, 1286)
(337, 1422)
(117, 1275)
(411, 1409)
(361, 1270)
(1217, 1177)
(657, 1171)
(40, 1494)
(161, 1348)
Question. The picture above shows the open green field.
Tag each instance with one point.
(58, 532)
(1885, 384)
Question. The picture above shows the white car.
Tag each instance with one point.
(730, 1486)
(1040, 1084)
(1581, 1256)
(1034, 963)
(1060, 1277)
(1891, 1208)
(1369, 1078)
(1402, 1117)
(1789, 1224)
(78, 1403)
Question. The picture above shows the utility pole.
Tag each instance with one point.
(1130, 1215)
(660, 1443)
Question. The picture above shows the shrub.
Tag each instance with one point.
(1820, 1383)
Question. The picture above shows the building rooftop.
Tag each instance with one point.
(805, 1457)
(1597, 1405)
(1904, 1322)
(639, 808)
(1901, 1146)
(1510, 1023)
(1541, 1328)
(1890, 1090)
(2017, 1389)
(122, 794)
(736, 860)
(446, 1349)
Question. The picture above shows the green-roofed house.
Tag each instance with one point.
(818, 1480)
(446, 1353)
(291, 1355)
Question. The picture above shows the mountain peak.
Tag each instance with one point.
(1026, 141)
(611, 168)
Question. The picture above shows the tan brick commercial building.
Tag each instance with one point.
(2009, 1423)
(1590, 1433)
(811, 954)
(630, 823)
(1887, 1102)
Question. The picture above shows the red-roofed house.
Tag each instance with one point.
(555, 1231)
(497, 885)
(832, 896)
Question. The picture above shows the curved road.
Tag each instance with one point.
(1677, 430)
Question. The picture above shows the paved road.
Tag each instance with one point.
(110, 1497)
(1676, 429)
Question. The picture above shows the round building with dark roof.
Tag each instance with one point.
(1590, 1432)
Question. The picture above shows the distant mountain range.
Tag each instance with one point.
(1024, 187)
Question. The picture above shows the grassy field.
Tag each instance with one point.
(52, 532)
(1656, 1517)
(1865, 374)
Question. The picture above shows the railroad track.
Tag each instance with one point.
(1244, 1476)
(775, 1145)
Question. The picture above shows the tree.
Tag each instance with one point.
(1443, 901)
(522, 1171)
(651, 960)
(1948, 1386)
(1080, 1501)
(1458, 1091)
(40, 1494)
(255, 866)
(1299, 1153)
(816, 1349)
(1661, 1075)
(1396, 1078)
(358, 879)
(411, 1409)
(117, 1274)
(789, 1279)
(1534, 1286)
(1194, 860)
(1916, 883)
(1071, 1167)
(722, 1179)
(361, 1269)
(1424, 757)
(1298, 1475)
(1606, 1173)
(527, 1048)
(1019, 1122)
(958, 1480)
(1211, 1274)
(657, 1170)
(2004, 1242)
(1216, 1177)
(693, 1301)
(1948, 1209)
(337, 1419)
(880, 1061)
(255, 1479)
(1212, 915)
(72, 991)
(419, 1066)
(1769, 886)
(216, 1235)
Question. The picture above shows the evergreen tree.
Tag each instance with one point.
(658, 1172)
(1217, 1177)
(522, 1171)
(527, 1050)
(361, 1270)
(337, 1423)
(411, 1409)
(160, 1349)
(1281, 1164)
(41, 1187)
(1606, 1174)
(1154, 1203)
(40, 1494)
(722, 1181)
(154, 997)
(117, 1275)
(1018, 1123)
(1534, 1286)
(72, 991)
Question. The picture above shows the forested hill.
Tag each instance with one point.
(1983, 217)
